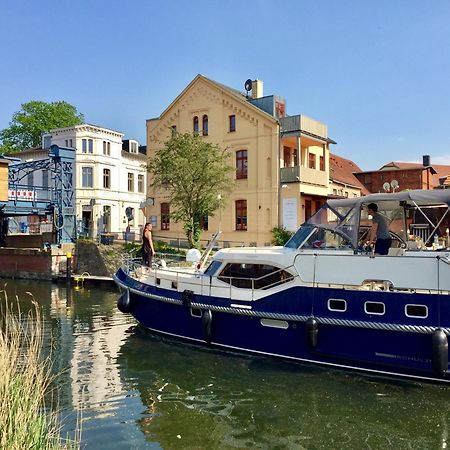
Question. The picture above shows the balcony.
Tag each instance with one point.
(290, 174)
(304, 175)
(301, 123)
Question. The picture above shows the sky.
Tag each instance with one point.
(376, 72)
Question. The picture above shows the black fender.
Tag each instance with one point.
(124, 302)
(187, 297)
(207, 325)
(440, 352)
(312, 332)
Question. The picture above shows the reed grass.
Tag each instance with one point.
(26, 420)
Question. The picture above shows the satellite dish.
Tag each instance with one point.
(248, 85)
(394, 184)
(386, 187)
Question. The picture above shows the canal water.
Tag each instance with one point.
(133, 390)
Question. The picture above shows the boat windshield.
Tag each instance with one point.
(332, 228)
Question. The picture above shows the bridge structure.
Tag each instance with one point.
(55, 198)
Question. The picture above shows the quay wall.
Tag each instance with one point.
(31, 263)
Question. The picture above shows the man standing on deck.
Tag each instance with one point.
(379, 233)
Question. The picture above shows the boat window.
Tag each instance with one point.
(253, 276)
(196, 312)
(325, 239)
(337, 304)
(275, 323)
(376, 308)
(212, 268)
(416, 311)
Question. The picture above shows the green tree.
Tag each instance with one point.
(195, 176)
(280, 235)
(34, 119)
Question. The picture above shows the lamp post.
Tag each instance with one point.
(219, 197)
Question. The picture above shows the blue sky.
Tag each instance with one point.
(376, 72)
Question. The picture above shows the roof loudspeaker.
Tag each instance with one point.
(248, 86)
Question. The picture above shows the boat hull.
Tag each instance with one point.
(281, 325)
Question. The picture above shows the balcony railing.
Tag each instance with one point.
(303, 175)
(290, 174)
(303, 123)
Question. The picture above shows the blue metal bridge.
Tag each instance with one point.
(57, 199)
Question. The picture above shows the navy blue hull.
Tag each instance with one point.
(391, 344)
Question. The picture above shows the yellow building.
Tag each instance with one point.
(282, 162)
(3, 180)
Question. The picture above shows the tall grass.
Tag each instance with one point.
(26, 421)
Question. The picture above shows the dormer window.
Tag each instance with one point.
(205, 125)
(133, 147)
(195, 124)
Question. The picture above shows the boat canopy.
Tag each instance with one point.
(434, 197)
(345, 217)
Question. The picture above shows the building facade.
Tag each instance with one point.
(111, 179)
(281, 162)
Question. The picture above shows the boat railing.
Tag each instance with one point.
(204, 285)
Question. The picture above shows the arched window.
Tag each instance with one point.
(205, 125)
(195, 124)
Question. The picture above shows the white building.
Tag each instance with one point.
(111, 178)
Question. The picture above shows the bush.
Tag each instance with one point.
(280, 235)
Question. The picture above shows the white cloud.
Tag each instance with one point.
(435, 159)
(440, 159)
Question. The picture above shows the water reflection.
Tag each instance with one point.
(139, 391)
(202, 399)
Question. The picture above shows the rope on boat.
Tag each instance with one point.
(293, 317)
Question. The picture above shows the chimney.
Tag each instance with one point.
(426, 160)
(257, 89)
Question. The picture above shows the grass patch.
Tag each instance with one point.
(26, 420)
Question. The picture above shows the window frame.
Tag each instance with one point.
(141, 184)
(205, 125)
(241, 164)
(130, 179)
(232, 123)
(106, 178)
(375, 313)
(195, 124)
(338, 300)
(414, 316)
(311, 160)
(165, 216)
(83, 175)
(239, 207)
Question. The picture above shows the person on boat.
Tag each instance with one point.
(147, 245)
(379, 232)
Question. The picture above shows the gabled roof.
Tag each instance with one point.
(239, 96)
(342, 170)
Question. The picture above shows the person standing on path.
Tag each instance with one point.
(147, 245)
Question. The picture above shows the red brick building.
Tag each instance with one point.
(407, 175)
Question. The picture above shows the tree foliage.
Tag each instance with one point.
(195, 176)
(34, 119)
(280, 235)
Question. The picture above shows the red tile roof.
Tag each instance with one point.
(341, 170)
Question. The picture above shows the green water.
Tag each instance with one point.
(137, 391)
